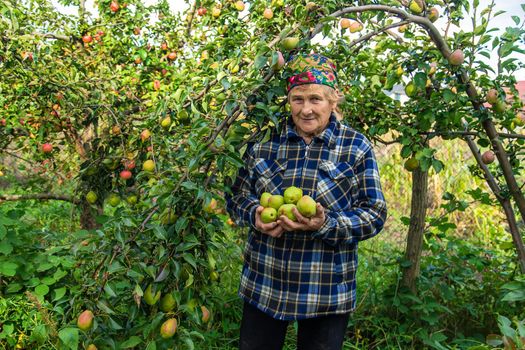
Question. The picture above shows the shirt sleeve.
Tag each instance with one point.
(367, 215)
(242, 201)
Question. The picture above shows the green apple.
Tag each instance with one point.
(114, 199)
(268, 215)
(265, 198)
(276, 201)
(290, 43)
(132, 199)
(492, 96)
(286, 210)
(499, 106)
(91, 197)
(292, 195)
(456, 58)
(307, 206)
(411, 164)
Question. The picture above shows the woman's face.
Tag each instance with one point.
(311, 109)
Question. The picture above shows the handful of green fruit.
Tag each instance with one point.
(276, 205)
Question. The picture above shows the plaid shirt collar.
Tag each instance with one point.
(328, 136)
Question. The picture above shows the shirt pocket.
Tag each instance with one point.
(337, 185)
(269, 175)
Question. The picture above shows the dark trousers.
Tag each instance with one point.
(260, 331)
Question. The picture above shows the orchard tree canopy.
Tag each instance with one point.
(140, 117)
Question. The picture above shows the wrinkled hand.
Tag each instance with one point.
(303, 223)
(272, 229)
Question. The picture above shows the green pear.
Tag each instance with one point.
(286, 210)
(292, 195)
(167, 303)
(264, 199)
(168, 328)
(307, 206)
(416, 7)
(150, 297)
(268, 215)
(276, 201)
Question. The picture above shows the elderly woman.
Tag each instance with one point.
(305, 270)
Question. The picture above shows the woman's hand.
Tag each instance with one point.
(303, 223)
(272, 229)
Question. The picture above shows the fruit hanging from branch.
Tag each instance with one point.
(85, 320)
(456, 58)
(488, 157)
(114, 6)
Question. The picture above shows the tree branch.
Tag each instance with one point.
(37, 196)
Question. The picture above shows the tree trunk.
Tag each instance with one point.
(418, 212)
(88, 217)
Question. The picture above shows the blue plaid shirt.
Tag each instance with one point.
(308, 274)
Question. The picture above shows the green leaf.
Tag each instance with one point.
(102, 305)
(69, 336)
(39, 334)
(152, 346)
(437, 165)
(13, 287)
(59, 293)
(109, 291)
(189, 343)
(8, 268)
(420, 80)
(42, 289)
(114, 325)
(448, 95)
(505, 327)
(181, 224)
(515, 295)
(494, 340)
(5, 248)
(189, 258)
(48, 281)
(131, 342)
(260, 61)
(59, 274)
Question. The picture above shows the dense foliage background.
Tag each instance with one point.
(122, 129)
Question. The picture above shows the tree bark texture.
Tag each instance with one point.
(418, 210)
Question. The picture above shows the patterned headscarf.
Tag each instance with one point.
(311, 69)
